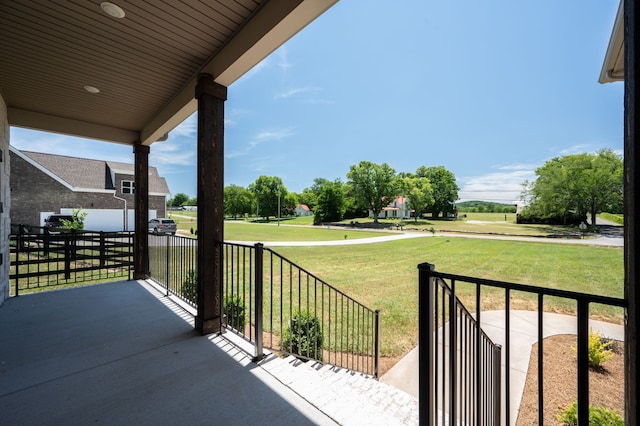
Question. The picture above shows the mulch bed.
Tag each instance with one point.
(606, 387)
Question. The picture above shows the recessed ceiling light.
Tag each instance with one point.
(91, 89)
(112, 9)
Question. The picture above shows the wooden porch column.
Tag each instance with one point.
(211, 97)
(141, 242)
(631, 216)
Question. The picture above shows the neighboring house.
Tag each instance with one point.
(303, 210)
(42, 184)
(399, 208)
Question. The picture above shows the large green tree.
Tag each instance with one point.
(178, 200)
(237, 201)
(373, 184)
(444, 186)
(267, 190)
(330, 206)
(419, 192)
(577, 184)
(310, 195)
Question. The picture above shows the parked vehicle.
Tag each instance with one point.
(162, 226)
(54, 223)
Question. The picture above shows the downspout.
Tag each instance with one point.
(125, 221)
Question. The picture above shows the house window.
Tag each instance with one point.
(128, 187)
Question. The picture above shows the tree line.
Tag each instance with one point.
(567, 189)
(368, 187)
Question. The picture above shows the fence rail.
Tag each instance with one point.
(296, 312)
(173, 263)
(450, 335)
(275, 303)
(57, 259)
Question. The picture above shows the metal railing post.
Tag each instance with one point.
(167, 269)
(258, 301)
(17, 262)
(103, 250)
(583, 362)
(67, 256)
(426, 409)
(497, 384)
(376, 366)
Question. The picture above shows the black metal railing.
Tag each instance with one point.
(292, 311)
(275, 303)
(458, 381)
(41, 260)
(173, 263)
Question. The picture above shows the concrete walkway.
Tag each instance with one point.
(346, 242)
(524, 333)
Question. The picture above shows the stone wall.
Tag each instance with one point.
(5, 202)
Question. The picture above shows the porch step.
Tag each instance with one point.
(349, 397)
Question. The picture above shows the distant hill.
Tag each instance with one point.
(485, 207)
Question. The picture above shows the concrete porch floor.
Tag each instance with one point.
(120, 353)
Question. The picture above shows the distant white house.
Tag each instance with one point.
(399, 208)
(303, 210)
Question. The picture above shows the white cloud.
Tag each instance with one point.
(54, 143)
(576, 149)
(260, 138)
(502, 187)
(173, 153)
(296, 91)
(187, 128)
(282, 59)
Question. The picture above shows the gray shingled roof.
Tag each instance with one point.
(92, 174)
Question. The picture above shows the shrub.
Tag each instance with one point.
(599, 350)
(77, 222)
(189, 288)
(304, 336)
(234, 309)
(598, 416)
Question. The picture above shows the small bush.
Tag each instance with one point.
(234, 309)
(599, 350)
(600, 416)
(304, 336)
(189, 288)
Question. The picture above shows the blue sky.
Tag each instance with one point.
(489, 90)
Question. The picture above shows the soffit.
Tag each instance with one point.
(145, 65)
(613, 67)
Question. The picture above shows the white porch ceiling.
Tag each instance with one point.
(145, 65)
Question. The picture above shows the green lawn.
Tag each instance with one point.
(249, 231)
(615, 218)
(384, 276)
(493, 223)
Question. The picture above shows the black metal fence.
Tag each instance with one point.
(291, 311)
(459, 377)
(173, 263)
(275, 303)
(41, 260)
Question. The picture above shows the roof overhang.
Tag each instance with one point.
(145, 64)
(613, 67)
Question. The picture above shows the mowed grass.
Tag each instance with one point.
(485, 223)
(256, 232)
(272, 232)
(384, 276)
